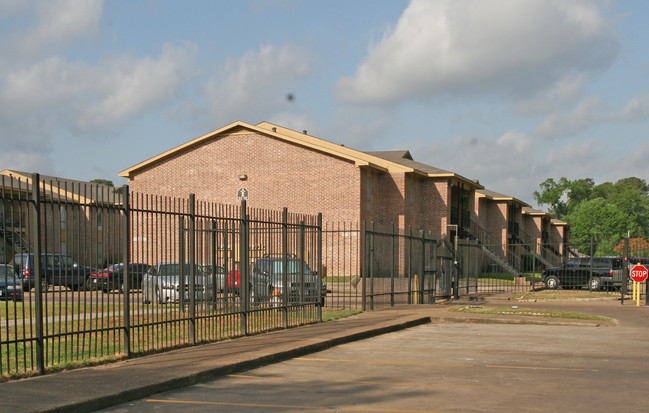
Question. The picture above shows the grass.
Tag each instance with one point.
(80, 343)
(508, 278)
(551, 295)
(515, 310)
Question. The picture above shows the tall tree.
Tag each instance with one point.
(600, 221)
(102, 182)
(572, 200)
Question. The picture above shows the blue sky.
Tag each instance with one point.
(509, 92)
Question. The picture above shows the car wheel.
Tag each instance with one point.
(44, 285)
(253, 296)
(322, 302)
(595, 284)
(552, 282)
(145, 296)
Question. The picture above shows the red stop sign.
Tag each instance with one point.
(639, 273)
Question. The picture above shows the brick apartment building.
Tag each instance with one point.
(284, 168)
(79, 218)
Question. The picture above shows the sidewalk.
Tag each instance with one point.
(93, 388)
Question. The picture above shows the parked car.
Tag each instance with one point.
(112, 277)
(607, 272)
(161, 284)
(10, 285)
(302, 284)
(216, 274)
(56, 269)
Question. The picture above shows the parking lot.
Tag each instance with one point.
(446, 367)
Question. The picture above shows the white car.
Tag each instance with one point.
(161, 284)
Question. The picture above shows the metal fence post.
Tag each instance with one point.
(301, 247)
(285, 266)
(320, 267)
(422, 283)
(40, 343)
(372, 265)
(126, 255)
(434, 247)
(181, 262)
(410, 266)
(625, 277)
(244, 259)
(364, 265)
(215, 275)
(392, 270)
(192, 269)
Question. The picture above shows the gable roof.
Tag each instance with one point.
(277, 132)
(496, 196)
(404, 158)
(392, 161)
(69, 189)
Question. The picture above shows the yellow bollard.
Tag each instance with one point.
(634, 289)
(638, 295)
(416, 291)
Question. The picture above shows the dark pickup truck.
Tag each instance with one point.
(591, 272)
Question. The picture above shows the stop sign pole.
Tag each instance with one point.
(638, 275)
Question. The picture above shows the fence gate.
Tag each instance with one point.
(400, 267)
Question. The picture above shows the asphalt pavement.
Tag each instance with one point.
(93, 388)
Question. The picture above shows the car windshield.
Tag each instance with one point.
(573, 263)
(174, 269)
(294, 267)
(6, 271)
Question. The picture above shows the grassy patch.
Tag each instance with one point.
(552, 295)
(536, 312)
(329, 315)
(339, 279)
(99, 340)
(508, 278)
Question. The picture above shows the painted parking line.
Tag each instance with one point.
(286, 406)
(414, 363)
(405, 384)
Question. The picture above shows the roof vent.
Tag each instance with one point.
(274, 129)
(304, 131)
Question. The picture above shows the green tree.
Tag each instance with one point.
(552, 194)
(563, 195)
(600, 221)
(628, 195)
(102, 182)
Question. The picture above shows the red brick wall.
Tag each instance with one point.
(280, 174)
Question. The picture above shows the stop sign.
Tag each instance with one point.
(639, 273)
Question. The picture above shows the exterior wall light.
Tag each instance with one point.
(243, 177)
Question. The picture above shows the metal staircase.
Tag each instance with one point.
(485, 239)
(15, 238)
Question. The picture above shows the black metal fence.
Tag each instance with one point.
(122, 274)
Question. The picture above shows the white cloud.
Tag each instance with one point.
(53, 23)
(258, 84)
(88, 96)
(503, 164)
(482, 46)
(127, 86)
(586, 114)
(27, 161)
(565, 91)
(637, 109)
(589, 113)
